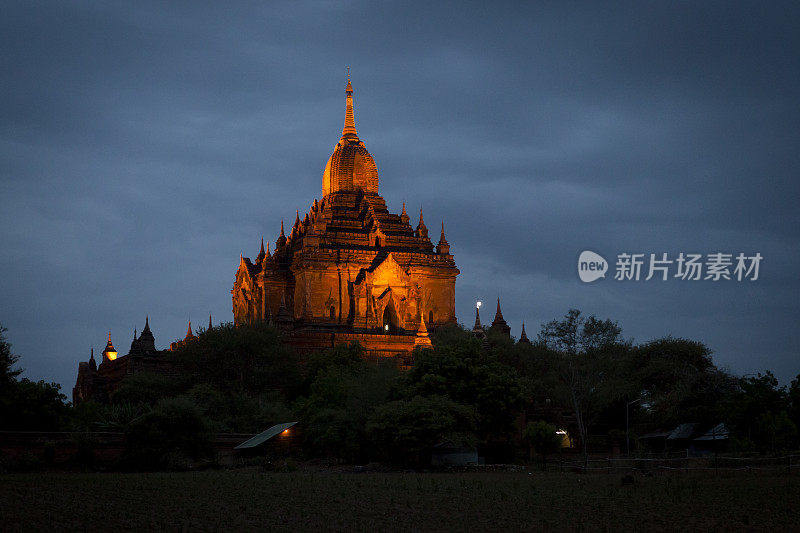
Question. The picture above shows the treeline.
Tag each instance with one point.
(464, 392)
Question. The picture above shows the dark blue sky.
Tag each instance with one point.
(144, 146)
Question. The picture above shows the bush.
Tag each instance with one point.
(405, 431)
(170, 436)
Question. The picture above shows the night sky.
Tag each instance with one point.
(143, 147)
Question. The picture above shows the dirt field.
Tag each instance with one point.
(252, 500)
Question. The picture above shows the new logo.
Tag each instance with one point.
(591, 266)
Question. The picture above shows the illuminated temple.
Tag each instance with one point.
(349, 269)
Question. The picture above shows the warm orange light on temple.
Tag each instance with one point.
(110, 352)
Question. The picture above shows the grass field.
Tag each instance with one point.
(252, 500)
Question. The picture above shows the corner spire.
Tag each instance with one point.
(404, 218)
(349, 130)
(210, 324)
(281, 242)
(422, 338)
(523, 337)
(499, 324)
(189, 334)
(477, 329)
(443, 247)
(422, 229)
(498, 314)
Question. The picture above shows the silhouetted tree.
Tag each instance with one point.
(342, 398)
(465, 373)
(8, 373)
(590, 359)
(24, 404)
(758, 413)
(406, 431)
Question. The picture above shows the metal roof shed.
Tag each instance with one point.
(264, 436)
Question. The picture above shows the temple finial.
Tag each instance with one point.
(210, 324)
(349, 130)
(422, 230)
(261, 254)
(282, 234)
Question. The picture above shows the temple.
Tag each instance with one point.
(349, 269)
(98, 382)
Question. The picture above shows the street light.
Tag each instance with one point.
(628, 424)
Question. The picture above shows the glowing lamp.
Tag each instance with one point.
(110, 352)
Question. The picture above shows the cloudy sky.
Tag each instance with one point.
(143, 146)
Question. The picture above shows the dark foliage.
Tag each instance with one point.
(170, 436)
(28, 405)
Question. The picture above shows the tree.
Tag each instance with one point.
(27, 405)
(757, 413)
(590, 356)
(8, 373)
(145, 388)
(167, 437)
(246, 358)
(678, 382)
(406, 431)
(465, 373)
(794, 401)
(341, 400)
(543, 439)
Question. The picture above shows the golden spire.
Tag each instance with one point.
(422, 338)
(110, 353)
(349, 130)
(189, 334)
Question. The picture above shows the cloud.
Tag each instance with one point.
(143, 148)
